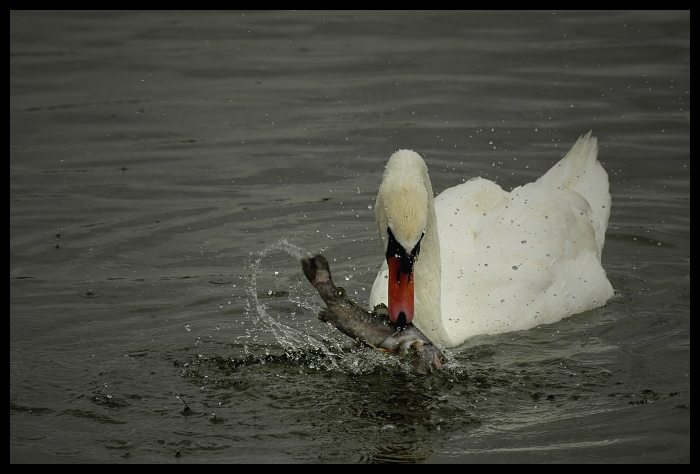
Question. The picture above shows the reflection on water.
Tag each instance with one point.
(168, 170)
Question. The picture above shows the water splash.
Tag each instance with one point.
(292, 340)
(321, 347)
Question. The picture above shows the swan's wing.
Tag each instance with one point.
(513, 260)
(581, 172)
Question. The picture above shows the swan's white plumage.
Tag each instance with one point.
(493, 261)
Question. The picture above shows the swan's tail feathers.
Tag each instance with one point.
(580, 171)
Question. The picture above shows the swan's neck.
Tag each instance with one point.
(428, 272)
(405, 204)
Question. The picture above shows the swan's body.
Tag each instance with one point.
(492, 261)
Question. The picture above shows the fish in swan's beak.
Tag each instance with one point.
(401, 280)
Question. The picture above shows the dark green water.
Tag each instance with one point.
(159, 160)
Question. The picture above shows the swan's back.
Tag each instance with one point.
(512, 261)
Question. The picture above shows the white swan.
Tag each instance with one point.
(488, 261)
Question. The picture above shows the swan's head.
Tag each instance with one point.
(402, 211)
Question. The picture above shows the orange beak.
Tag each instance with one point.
(400, 293)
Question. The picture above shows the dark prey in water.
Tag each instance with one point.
(373, 328)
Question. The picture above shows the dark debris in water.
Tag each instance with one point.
(187, 411)
(647, 396)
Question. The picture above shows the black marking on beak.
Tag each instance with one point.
(401, 320)
(394, 249)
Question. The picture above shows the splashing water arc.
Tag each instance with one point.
(292, 340)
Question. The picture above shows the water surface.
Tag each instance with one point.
(166, 170)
